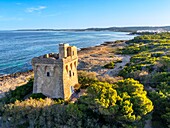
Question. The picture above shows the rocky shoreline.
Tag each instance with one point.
(90, 59)
(10, 82)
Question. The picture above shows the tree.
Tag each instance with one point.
(122, 104)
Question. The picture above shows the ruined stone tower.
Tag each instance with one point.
(56, 74)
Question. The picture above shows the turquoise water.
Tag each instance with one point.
(17, 48)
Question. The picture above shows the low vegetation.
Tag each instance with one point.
(123, 104)
(86, 78)
(150, 64)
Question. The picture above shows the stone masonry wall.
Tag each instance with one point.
(56, 77)
(51, 85)
(69, 77)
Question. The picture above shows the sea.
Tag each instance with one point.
(17, 48)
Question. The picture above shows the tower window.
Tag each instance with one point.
(68, 51)
(48, 74)
(73, 73)
(71, 65)
(67, 68)
(75, 64)
(70, 73)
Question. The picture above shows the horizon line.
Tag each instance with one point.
(152, 26)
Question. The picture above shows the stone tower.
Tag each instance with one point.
(56, 74)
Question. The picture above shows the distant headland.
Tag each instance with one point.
(116, 29)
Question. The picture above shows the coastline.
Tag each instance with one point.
(90, 59)
(13, 75)
(11, 81)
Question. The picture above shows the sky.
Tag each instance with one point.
(68, 14)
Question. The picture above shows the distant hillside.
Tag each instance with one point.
(131, 29)
(115, 29)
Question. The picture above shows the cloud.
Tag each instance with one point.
(35, 9)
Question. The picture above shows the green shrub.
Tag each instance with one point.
(118, 105)
(110, 65)
(86, 78)
(157, 54)
(151, 57)
(38, 96)
(118, 61)
(77, 87)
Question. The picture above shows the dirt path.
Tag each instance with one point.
(119, 66)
